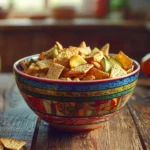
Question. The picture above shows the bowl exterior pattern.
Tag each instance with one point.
(77, 104)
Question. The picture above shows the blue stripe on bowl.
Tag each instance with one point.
(77, 87)
(76, 99)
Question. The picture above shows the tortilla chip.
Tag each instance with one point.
(85, 50)
(78, 71)
(23, 64)
(97, 65)
(97, 57)
(54, 71)
(98, 73)
(44, 64)
(12, 143)
(64, 56)
(33, 69)
(60, 47)
(105, 50)
(124, 60)
(89, 77)
(76, 79)
(117, 71)
(66, 79)
(82, 50)
(130, 69)
(83, 44)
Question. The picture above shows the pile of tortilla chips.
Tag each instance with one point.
(78, 63)
(11, 144)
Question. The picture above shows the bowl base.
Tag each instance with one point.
(75, 128)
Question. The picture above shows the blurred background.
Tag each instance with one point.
(30, 27)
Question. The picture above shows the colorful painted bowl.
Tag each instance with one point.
(75, 106)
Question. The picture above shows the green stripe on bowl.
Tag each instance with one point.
(77, 99)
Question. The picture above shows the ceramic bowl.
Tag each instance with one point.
(72, 105)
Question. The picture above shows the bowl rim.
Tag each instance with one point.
(70, 82)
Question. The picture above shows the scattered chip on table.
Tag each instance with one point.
(12, 144)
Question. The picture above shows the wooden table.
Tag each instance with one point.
(129, 130)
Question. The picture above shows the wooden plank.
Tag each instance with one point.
(17, 120)
(140, 109)
(117, 134)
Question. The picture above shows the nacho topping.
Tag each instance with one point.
(78, 63)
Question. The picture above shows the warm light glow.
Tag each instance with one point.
(74, 3)
(26, 5)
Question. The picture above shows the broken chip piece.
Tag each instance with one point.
(13, 144)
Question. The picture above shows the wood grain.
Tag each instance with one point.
(129, 130)
(140, 109)
(117, 134)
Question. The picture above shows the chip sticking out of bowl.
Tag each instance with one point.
(83, 44)
(124, 60)
(76, 62)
